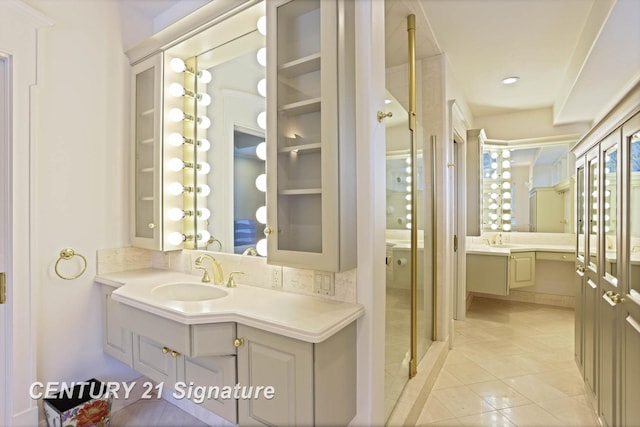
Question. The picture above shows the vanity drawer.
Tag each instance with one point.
(556, 256)
(213, 339)
(166, 332)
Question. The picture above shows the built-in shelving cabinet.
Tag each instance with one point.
(310, 135)
(146, 150)
(498, 274)
(607, 342)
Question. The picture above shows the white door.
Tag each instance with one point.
(4, 229)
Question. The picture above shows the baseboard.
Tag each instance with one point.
(416, 391)
(567, 301)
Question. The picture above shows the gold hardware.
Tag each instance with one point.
(455, 243)
(512, 257)
(581, 269)
(238, 342)
(383, 115)
(617, 299)
(66, 254)
(174, 353)
(564, 257)
(151, 225)
(231, 283)
(218, 275)
(250, 252)
(609, 293)
(165, 350)
(267, 231)
(3, 288)
(213, 240)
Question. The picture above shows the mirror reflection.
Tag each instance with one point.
(634, 214)
(527, 187)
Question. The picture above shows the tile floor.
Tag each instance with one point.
(511, 365)
(153, 413)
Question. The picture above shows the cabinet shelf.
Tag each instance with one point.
(302, 148)
(304, 65)
(302, 107)
(300, 192)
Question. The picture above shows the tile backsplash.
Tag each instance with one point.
(256, 270)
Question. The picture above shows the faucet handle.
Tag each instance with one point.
(231, 283)
(205, 277)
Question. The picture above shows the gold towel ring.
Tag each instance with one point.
(66, 254)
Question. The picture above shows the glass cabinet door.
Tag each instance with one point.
(610, 204)
(592, 215)
(634, 213)
(580, 213)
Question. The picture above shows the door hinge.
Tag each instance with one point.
(3, 288)
(455, 243)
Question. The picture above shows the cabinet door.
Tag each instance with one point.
(116, 341)
(487, 274)
(155, 361)
(630, 311)
(266, 359)
(522, 270)
(146, 153)
(580, 268)
(207, 373)
(311, 152)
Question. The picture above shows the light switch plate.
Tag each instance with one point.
(324, 283)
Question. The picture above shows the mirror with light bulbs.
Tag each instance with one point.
(215, 103)
(528, 185)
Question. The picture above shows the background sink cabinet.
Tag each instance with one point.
(497, 274)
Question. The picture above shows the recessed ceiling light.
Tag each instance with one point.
(510, 80)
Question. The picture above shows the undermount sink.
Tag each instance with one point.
(189, 291)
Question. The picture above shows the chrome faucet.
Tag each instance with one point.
(218, 275)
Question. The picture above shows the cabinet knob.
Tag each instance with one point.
(512, 257)
(617, 299)
(581, 269)
(174, 353)
(165, 350)
(267, 231)
(151, 225)
(238, 342)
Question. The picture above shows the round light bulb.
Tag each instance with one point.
(176, 139)
(494, 155)
(204, 99)
(262, 25)
(261, 247)
(408, 207)
(175, 214)
(204, 214)
(494, 175)
(204, 145)
(493, 195)
(261, 150)
(506, 175)
(408, 226)
(176, 115)
(408, 188)
(204, 76)
(408, 197)
(261, 56)
(506, 164)
(493, 206)
(408, 180)
(494, 165)
(506, 217)
(506, 206)
(203, 168)
(204, 122)
(494, 186)
(506, 185)
(203, 236)
(408, 160)
(261, 182)
(204, 190)
(261, 214)
(262, 120)
(175, 188)
(175, 238)
(506, 227)
(506, 154)
(176, 89)
(506, 195)
(494, 226)
(408, 169)
(175, 164)
(262, 87)
(178, 65)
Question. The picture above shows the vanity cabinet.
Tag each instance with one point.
(497, 274)
(546, 210)
(310, 132)
(315, 384)
(117, 341)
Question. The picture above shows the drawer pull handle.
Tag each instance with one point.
(238, 342)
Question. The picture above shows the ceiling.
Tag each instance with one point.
(575, 56)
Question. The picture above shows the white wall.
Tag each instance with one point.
(80, 181)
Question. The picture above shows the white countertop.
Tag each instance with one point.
(304, 317)
(508, 248)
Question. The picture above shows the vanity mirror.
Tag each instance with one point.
(527, 185)
(219, 78)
